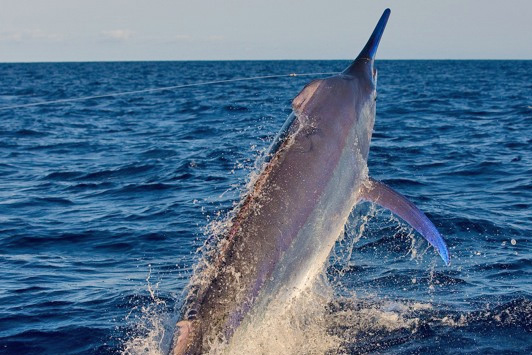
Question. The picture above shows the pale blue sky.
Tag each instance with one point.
(74, 30)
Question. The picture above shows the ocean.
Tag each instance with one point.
(104, 202)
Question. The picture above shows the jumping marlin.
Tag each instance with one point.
(284, 229)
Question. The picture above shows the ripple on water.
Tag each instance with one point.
(103, 204)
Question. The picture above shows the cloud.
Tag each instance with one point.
(189, 38)
(182, 38)
(30, 35)
(215, 38)
(117, 35)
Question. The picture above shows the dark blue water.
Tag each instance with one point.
(103, 202)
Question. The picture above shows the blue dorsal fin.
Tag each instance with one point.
(370, 49)
(384, 196)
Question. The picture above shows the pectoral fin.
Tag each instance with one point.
(384, 196)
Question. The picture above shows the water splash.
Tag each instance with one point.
(295, 327)
(152, 326)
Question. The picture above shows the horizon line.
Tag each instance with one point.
(253, 60)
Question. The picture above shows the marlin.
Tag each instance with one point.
(282, 232)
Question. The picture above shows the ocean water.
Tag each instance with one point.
(104, 202)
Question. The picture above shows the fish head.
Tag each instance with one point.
(364, 65)
(363, 77)
(345, 102)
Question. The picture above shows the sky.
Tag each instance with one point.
(115, 30)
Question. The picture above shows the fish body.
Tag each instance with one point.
(284, 229)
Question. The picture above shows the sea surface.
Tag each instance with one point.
(104, 202)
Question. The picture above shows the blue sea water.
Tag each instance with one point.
(104, 202)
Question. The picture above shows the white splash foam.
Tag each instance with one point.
(152, 327)
(295, 327)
